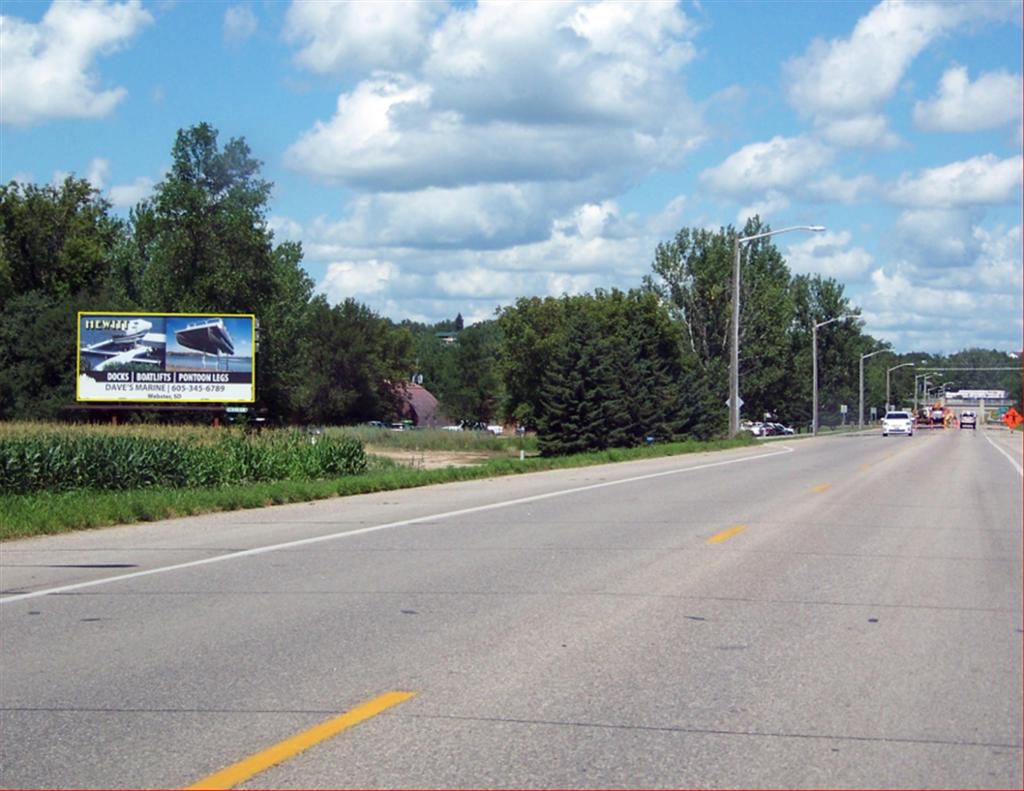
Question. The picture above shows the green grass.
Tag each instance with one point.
(43, 513)
(436, 439)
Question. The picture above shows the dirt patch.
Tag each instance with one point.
(432, 459)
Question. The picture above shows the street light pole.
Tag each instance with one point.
(888, 405)
(814, 367)
(860, 411)
(734, 350)
(924, 377)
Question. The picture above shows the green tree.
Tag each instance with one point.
(56, 240)
(59, 250)
(840, 344)
(533, 332)
(356, 365)
(472, 391)
(693, 274)
(205, 246)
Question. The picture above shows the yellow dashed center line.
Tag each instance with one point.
(822, 487)
(254, 764)
(726, 534)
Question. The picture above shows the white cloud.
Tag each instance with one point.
(973, 300)
(532, 92)
(239, 23)
(127, 196)
(843, 83)
(780, 163)
(979, 180)
(828, 254)
(773, 203)
(936, 238)
(962, 106)
(836, 189)
(590, 246)
(853, 76)
(998, 264)
(99, 172)
(47, 67)
(350, 278)
(862, 131)
(360, 36)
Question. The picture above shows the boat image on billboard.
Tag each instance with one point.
(209, 336)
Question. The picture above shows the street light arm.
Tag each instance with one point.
(839, 318)
(814, 228)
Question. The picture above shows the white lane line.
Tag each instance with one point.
(1009, 458)
(302, 542)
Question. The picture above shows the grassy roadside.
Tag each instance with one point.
(48, 513)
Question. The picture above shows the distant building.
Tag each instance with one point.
(420, 406)
(447, 336)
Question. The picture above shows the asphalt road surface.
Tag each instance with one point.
(834, 612)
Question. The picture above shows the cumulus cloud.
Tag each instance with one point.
(915, 304)
(592, 245)
(127, 196)
(829, 254)
(773, 203)
(347, 278)
(836, 189)
(239, 23)
(99, 172)
(993, 100)
(980, 180)
(48, 67)
(779, 163)
(531, 92)
(843, 83)
(863, 131)
(344, 38)
(939, 238)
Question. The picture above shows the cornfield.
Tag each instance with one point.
(57, 459)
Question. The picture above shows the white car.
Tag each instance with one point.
(897, 423)
(968, 419)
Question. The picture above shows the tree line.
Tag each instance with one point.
(605, 369)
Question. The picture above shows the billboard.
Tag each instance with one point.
(174, 357)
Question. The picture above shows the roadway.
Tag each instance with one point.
(833, 612)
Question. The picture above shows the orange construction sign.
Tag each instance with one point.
(1013, 418)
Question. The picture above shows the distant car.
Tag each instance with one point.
(496, 430)
(968, 419)
(897, 423)
(758, 429)
(781, 429)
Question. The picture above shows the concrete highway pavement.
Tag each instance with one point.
(835, 612)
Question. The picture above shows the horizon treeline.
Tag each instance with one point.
(589, 371)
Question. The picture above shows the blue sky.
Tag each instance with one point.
(436, 158)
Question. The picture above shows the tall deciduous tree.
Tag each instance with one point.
(59, 250)
(56, 240)
(205, 247)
